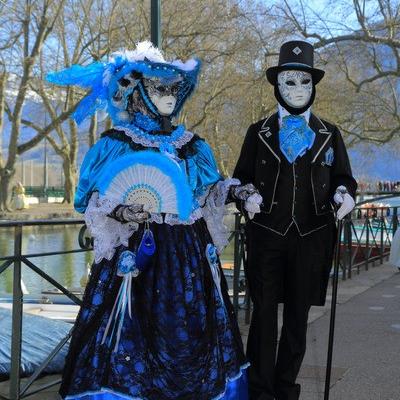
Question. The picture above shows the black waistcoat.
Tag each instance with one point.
(293, 198)
(299, 193)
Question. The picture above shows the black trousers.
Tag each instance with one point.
(281, 269)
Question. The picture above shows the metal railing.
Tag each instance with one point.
(15, 391)
(41, 191)
(85, 243)
(366, 238)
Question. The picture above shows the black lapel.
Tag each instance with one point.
(322, 136)
(268, 135)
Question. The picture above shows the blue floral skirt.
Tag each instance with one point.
(182, 341)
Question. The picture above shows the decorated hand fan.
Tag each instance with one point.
(151, 179)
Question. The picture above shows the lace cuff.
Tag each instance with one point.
(214, 209)
(107, 233)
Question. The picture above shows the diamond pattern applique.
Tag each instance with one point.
(297, 51)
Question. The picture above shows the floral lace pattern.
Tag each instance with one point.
(177, 139)
(213, 211)
(108, 233)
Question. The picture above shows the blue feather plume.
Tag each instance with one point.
(101, 78)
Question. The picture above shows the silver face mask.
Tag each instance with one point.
(295, 87)
(163, 96)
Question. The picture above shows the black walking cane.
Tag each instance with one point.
(333, 310)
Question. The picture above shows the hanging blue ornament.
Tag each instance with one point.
(146, 250)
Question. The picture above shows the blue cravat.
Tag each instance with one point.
(295, 137)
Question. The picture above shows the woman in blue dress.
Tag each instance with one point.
(180, 340)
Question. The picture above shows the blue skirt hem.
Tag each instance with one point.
(235, 389)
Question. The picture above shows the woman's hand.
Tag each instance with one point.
(130, 213)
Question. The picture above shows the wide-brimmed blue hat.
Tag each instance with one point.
(125, 72)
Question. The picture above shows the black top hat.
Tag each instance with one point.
(297, 55)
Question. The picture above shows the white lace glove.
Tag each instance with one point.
(345, 201)
(252, 204)
(250, 196)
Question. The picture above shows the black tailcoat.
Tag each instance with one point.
(300, 193)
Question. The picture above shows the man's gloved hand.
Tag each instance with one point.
(250, 196)
(346, 202)
(129, 213)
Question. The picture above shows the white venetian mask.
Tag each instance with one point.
(295, 87)
(163, 96)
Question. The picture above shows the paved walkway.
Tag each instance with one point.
(366, 363)
(367, 347)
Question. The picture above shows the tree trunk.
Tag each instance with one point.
(70, 181)
(3, 80)
(5, 180)
(93, 130)
(3, 184)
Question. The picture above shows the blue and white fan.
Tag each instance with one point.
(151, 179)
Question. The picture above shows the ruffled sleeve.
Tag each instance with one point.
(211, 191)
(203, 169)
(93, 165)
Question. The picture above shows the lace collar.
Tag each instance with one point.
(175, 140)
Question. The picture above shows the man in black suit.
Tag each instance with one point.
(300, 166)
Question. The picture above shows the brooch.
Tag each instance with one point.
(127, 264)
(329, 156)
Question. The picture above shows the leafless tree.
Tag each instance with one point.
(84, 33)
(235, 39)
(36, 20)
(362, 47)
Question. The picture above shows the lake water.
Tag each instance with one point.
(67, 269)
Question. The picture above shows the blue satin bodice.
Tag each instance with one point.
(200, 168)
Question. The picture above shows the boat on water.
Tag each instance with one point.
(56, 311)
